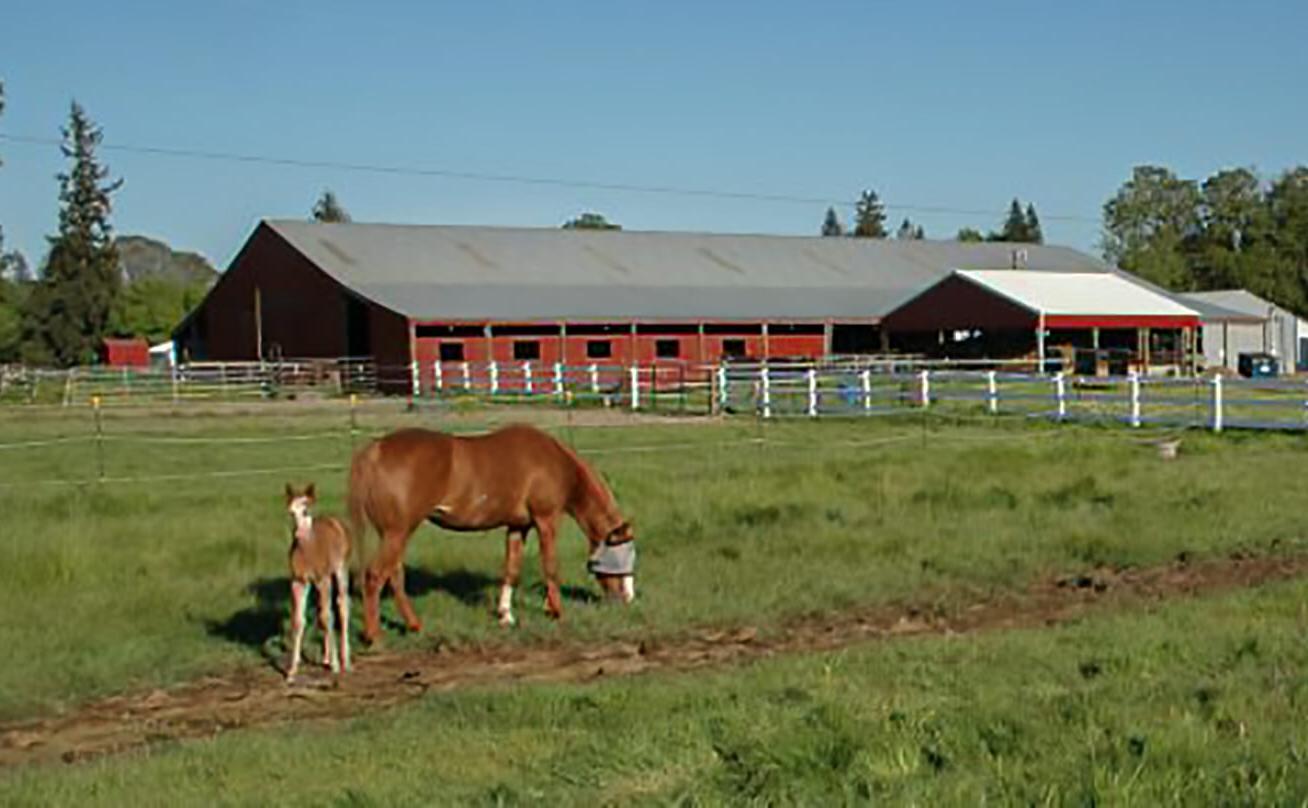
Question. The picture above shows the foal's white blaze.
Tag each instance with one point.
(299, 509)
(628, 588)
(506, 605)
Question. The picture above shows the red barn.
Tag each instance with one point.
(125, 352)
(398, 293)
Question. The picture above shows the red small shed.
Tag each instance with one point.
(125, 352)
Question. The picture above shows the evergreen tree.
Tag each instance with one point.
(909, 231)
(869, 216)
(328, 209)
(1033, 232)
(969, 234)
(591, 221)
(1014, 228)
(69, 310)
(831, 225)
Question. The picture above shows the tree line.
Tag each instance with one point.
(1021, 225)
(1233, 230)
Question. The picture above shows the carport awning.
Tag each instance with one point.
(1016, 299)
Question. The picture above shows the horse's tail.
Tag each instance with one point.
(357, 498)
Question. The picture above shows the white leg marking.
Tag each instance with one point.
(343, 613)
(506, 605)
(299, 597)
(628, 588)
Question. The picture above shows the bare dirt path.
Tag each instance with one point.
(257, 696)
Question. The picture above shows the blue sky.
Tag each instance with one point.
(955, 105)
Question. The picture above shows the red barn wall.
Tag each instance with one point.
(303, 311)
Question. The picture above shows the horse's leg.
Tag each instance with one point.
(547, 530)
(342, 576)
(381, 570)
(411, 620)
(299, 595)
(325, 622)
(512, 570)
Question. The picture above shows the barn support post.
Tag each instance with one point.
(467, 376)
(865, 379)
(594, 378)
(494, 370)
(1094, 337)
(1040, 343)
(766, 342)
(812, 392)
(723, 392)
(416, 376)
(828, 329)
(924, 382)
(635, 386)
(558, 379)
(992, 392)
(526, 377)
(1217, 402)
(1135, 398)
(765, 390)
(1060, 394)
(437, 377)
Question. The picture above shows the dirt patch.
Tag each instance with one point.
(257, 696)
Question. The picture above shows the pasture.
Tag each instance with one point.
(172, 569)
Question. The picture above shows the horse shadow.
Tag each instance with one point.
(255, 625)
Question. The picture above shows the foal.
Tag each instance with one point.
(320, 553)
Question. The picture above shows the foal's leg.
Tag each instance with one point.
(342, 576)
(325, 622)
(299, 596)
(547, 530)
(512, 570)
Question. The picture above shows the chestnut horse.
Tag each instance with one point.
(517, 478)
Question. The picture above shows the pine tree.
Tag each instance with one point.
(70, 309)
(909, 231)
(969, 234)
(831, 225)
(869, 216)
(1014, 228)
(329, 209)
(1033, 232)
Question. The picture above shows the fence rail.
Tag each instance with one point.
(840, 387)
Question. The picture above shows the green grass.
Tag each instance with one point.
(1194, 703)
(130, 585)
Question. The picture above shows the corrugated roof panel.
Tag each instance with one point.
(1078, 293)
(436, 271)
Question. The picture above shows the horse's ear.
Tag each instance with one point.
(309, 492)
(290, 492)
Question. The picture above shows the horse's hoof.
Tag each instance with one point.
(414, 628)
(507, 620)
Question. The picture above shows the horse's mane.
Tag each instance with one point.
(590, 482)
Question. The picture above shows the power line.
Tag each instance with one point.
(476, 176)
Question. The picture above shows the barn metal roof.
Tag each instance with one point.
(1239, 304)
(1078, 293)
(451, 272)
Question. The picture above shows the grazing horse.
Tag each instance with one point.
(320, 554)
(517, 478)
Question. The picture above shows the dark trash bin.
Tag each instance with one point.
(1257, 365)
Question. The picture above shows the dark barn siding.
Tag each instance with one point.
(959, 303)
(304, 311)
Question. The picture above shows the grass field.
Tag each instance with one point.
(129, 584)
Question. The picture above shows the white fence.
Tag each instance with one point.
(844, 387)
